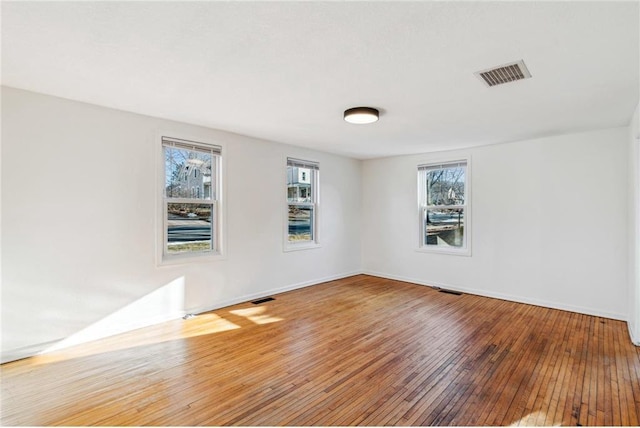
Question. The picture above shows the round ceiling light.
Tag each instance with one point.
(361, 115)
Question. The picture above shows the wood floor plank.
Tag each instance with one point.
(357, 351)
(626, 380)
(560, 401)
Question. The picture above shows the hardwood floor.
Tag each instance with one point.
(357, 351)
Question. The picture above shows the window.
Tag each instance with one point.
(191, 208)
(444, 196)
(302, 204)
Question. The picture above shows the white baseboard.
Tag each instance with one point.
(254, 296)
(503, 296)
(25, 352)
(634, 335)
(32, 350)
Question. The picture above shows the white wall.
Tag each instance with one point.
(549, 223)
(634, 226)
(79, 224)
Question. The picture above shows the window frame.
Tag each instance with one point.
(314, 204)
(423, 206)
(163, 257)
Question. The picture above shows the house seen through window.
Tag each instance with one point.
(302, 202)
(191, 197)
(443, 200)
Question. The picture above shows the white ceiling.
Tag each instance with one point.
(285, 71)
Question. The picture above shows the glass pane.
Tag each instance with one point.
(189, 228)
(446, 186)
(300, 223)
(444, 227)
(188, 173)
(299, 182)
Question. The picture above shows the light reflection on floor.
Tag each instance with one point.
(204, 324)
(534, 418)
(257, 315)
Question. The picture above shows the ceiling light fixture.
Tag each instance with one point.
(361, 115)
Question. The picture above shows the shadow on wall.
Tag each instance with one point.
(163, 304)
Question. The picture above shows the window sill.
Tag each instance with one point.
(302, 246)
(181, 259)
(465, 252)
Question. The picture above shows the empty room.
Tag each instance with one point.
(320, 213)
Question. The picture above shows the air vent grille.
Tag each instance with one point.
(504, 74)
(443, 290)
(266, 299)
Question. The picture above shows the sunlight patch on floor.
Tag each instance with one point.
(257, 315)
(208, 323)
(534, 419)
(118, 331)
(175, 330)
(164, 302)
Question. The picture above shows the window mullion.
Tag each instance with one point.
(444, 207)
(189, 201)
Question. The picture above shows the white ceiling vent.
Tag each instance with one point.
(504, 73)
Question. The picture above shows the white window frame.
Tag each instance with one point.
(444, 162)
(216, 202)
(314, 203)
